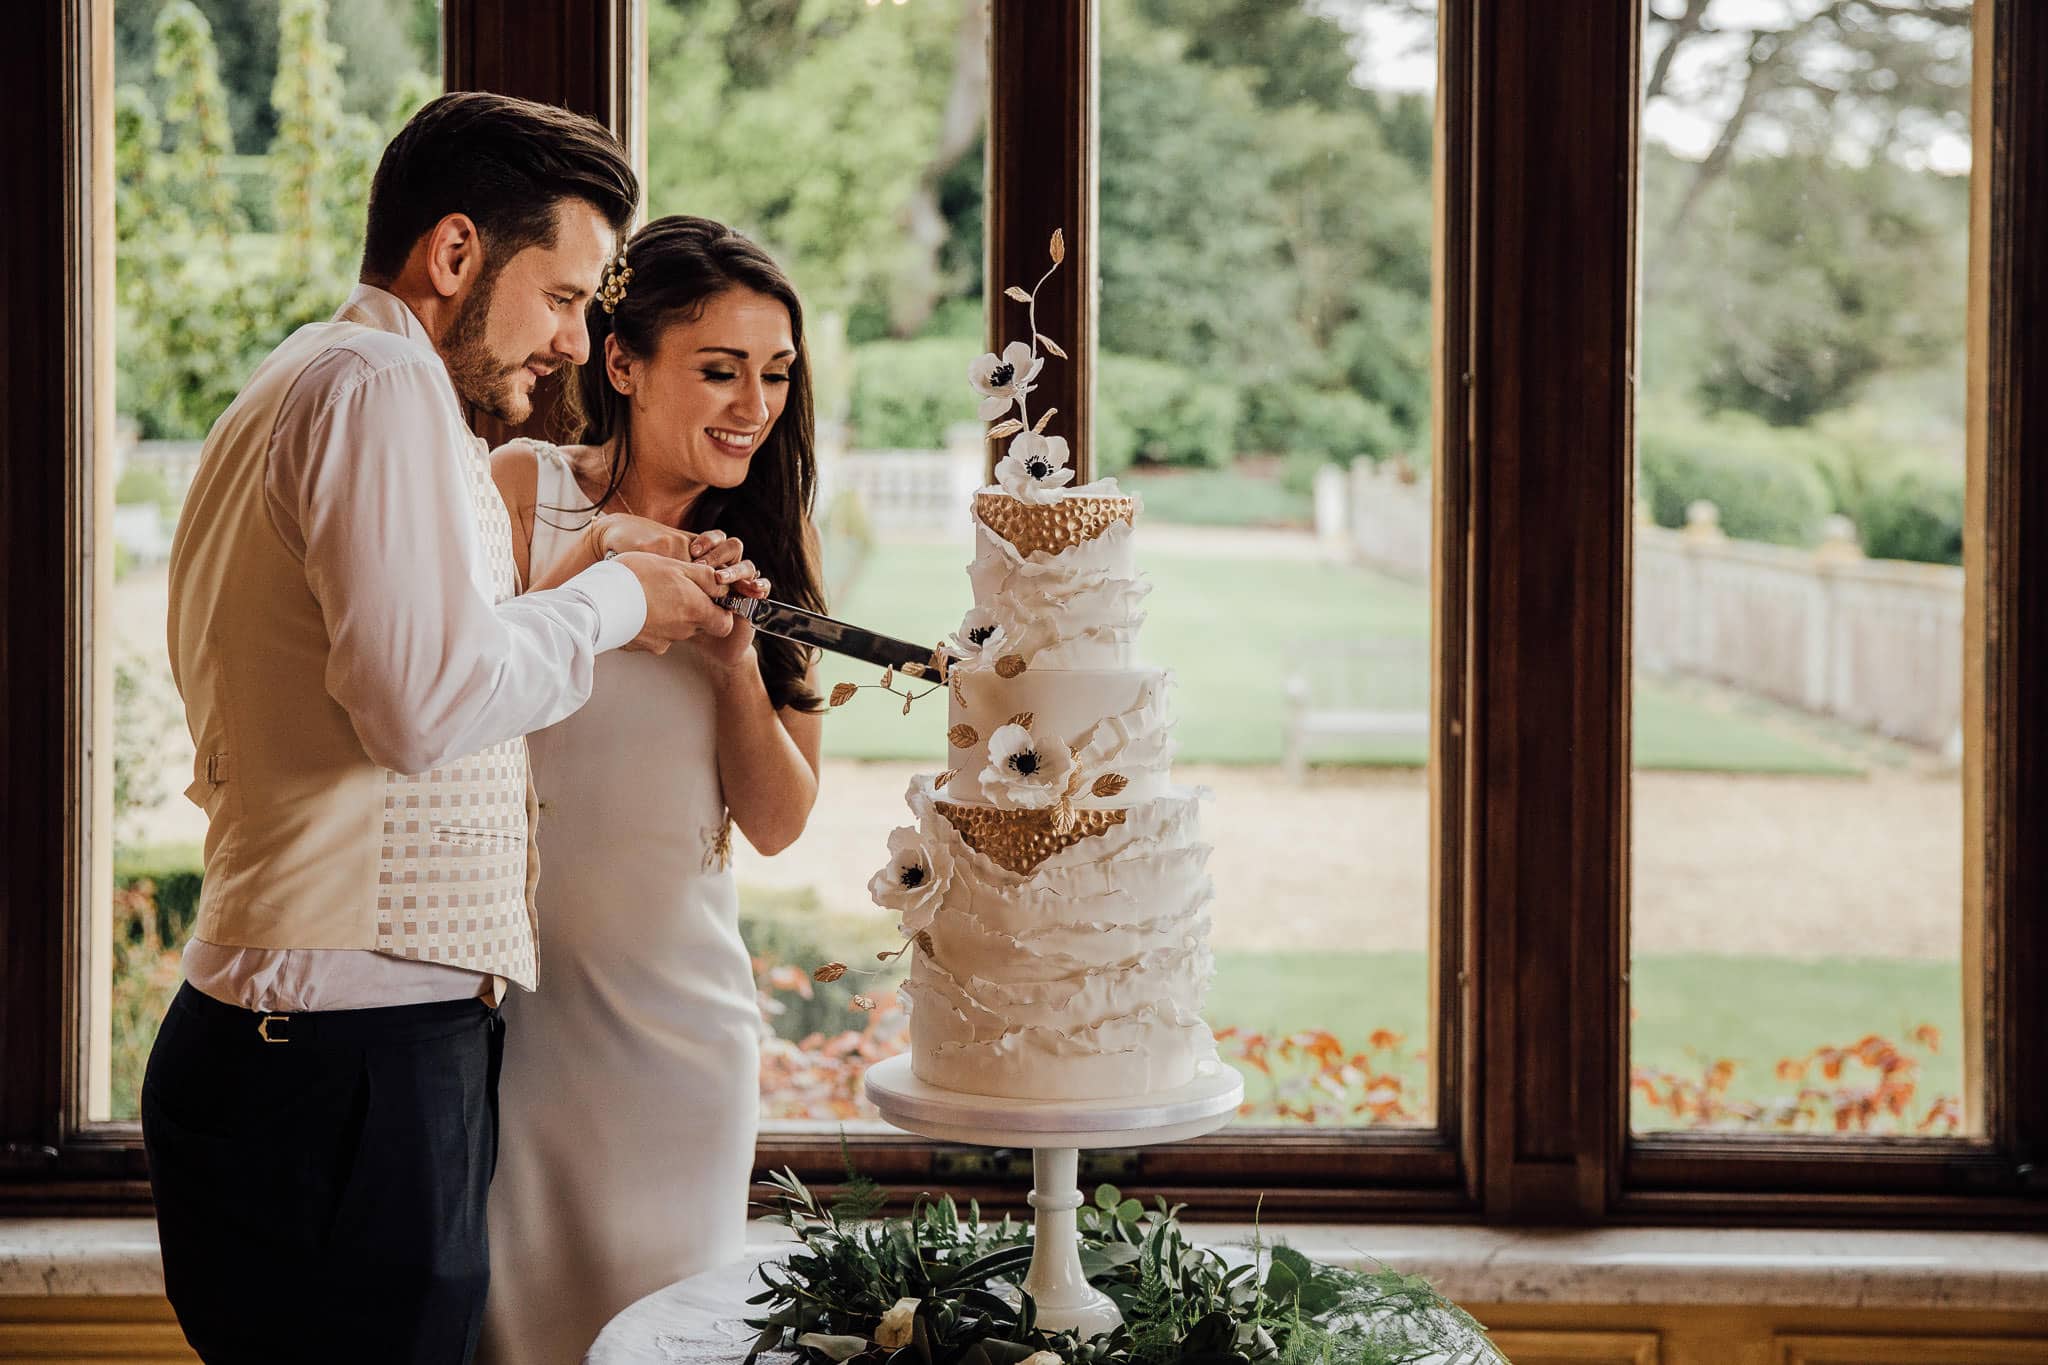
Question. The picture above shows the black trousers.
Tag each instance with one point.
(323, 1198)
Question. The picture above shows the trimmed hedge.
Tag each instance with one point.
(1913, 510)
(1317, 426)
(906, 393)
(1765, 495)
(1154, 413)
(177, 871)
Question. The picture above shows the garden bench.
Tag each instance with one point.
(1350, 689)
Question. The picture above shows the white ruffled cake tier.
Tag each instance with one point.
(1078, 977)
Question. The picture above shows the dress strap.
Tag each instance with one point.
(560, 508)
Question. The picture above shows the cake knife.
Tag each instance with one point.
(823, 632)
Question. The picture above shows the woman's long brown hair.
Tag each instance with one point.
(679, 264)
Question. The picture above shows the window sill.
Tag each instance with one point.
(1680, 1267)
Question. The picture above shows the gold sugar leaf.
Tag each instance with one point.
(884, 955)
(959, 695)
(963, 736)
(1051, 345)
(888, 676)
(831, 971)
(906, 705)
(914, 670)
(1018, 293)
(1059, 246)
(924, 942)
(843, 693)
(1039, 425)
(1063, 818)
(1010, 665)
(1023, 718)
(862, 1002)
(1109, 784)
(1002, 429)
(945, 777)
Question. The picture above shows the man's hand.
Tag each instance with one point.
(618, 533)
(681, 601)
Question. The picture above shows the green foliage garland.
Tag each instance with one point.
(1182, 1304)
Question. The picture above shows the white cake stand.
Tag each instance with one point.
(1056, 1131)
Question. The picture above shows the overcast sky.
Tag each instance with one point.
(1398, 52)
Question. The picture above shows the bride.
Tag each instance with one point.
(630, 1088)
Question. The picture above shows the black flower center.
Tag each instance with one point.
(1037, 468)
(1024, 764)
(912, 876)
(1001, 375)
(979, 635)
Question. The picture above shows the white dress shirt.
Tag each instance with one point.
(366, 483)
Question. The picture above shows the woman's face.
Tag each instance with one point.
(714, 388)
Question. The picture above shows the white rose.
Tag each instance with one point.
(1036, 467)
(1024, 772)
(895, 1327)
(1002, 379)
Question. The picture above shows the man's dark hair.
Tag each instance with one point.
(507, 163)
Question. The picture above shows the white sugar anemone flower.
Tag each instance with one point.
(981, 633)
(914, 880)
(1025, 772)
(1036, 467)
(1002, 379)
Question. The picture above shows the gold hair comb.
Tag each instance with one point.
(617, 276)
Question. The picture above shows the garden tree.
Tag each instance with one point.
(827, 131)
(200, 296)
(384, 42)
(244, 34)
(1824, 276)
(1872, 78)
(180, 298)
(1296, 55)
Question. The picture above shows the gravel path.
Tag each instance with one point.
(1787, 866)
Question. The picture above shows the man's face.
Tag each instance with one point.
(524, 317)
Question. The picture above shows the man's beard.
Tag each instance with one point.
(479, 376)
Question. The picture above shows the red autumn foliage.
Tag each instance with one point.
(1311, 1078)
(1866, 1086)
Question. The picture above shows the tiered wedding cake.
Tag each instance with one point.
(1053, 886)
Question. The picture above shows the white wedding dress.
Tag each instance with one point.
(630, 1092)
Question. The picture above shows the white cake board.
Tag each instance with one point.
(1056, 1131)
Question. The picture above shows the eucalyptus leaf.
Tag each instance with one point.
(1130, 1211)
(1107, 1197)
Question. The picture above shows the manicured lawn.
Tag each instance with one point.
(1690, 1009)
(1218, 497)
(1227, 630)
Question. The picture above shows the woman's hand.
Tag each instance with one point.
(727, 555)
(732, 657)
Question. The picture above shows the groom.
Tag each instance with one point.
(320, 1109)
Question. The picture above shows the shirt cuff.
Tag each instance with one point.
(621, 606)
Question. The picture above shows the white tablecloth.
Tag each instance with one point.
(692, 1322)
(698, 1321)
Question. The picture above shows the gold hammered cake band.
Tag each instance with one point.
(1051, 526)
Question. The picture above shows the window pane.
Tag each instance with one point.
(1265, 386)
(848, 140)
(1219, 402)
(1798, 618)
(244, 140)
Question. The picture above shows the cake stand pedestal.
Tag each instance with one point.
(1057, 1131)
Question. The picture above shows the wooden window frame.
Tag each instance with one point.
(1533, 459)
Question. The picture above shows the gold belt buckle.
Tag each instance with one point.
(263, 1028)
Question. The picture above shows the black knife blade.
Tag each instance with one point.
(841, 637)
